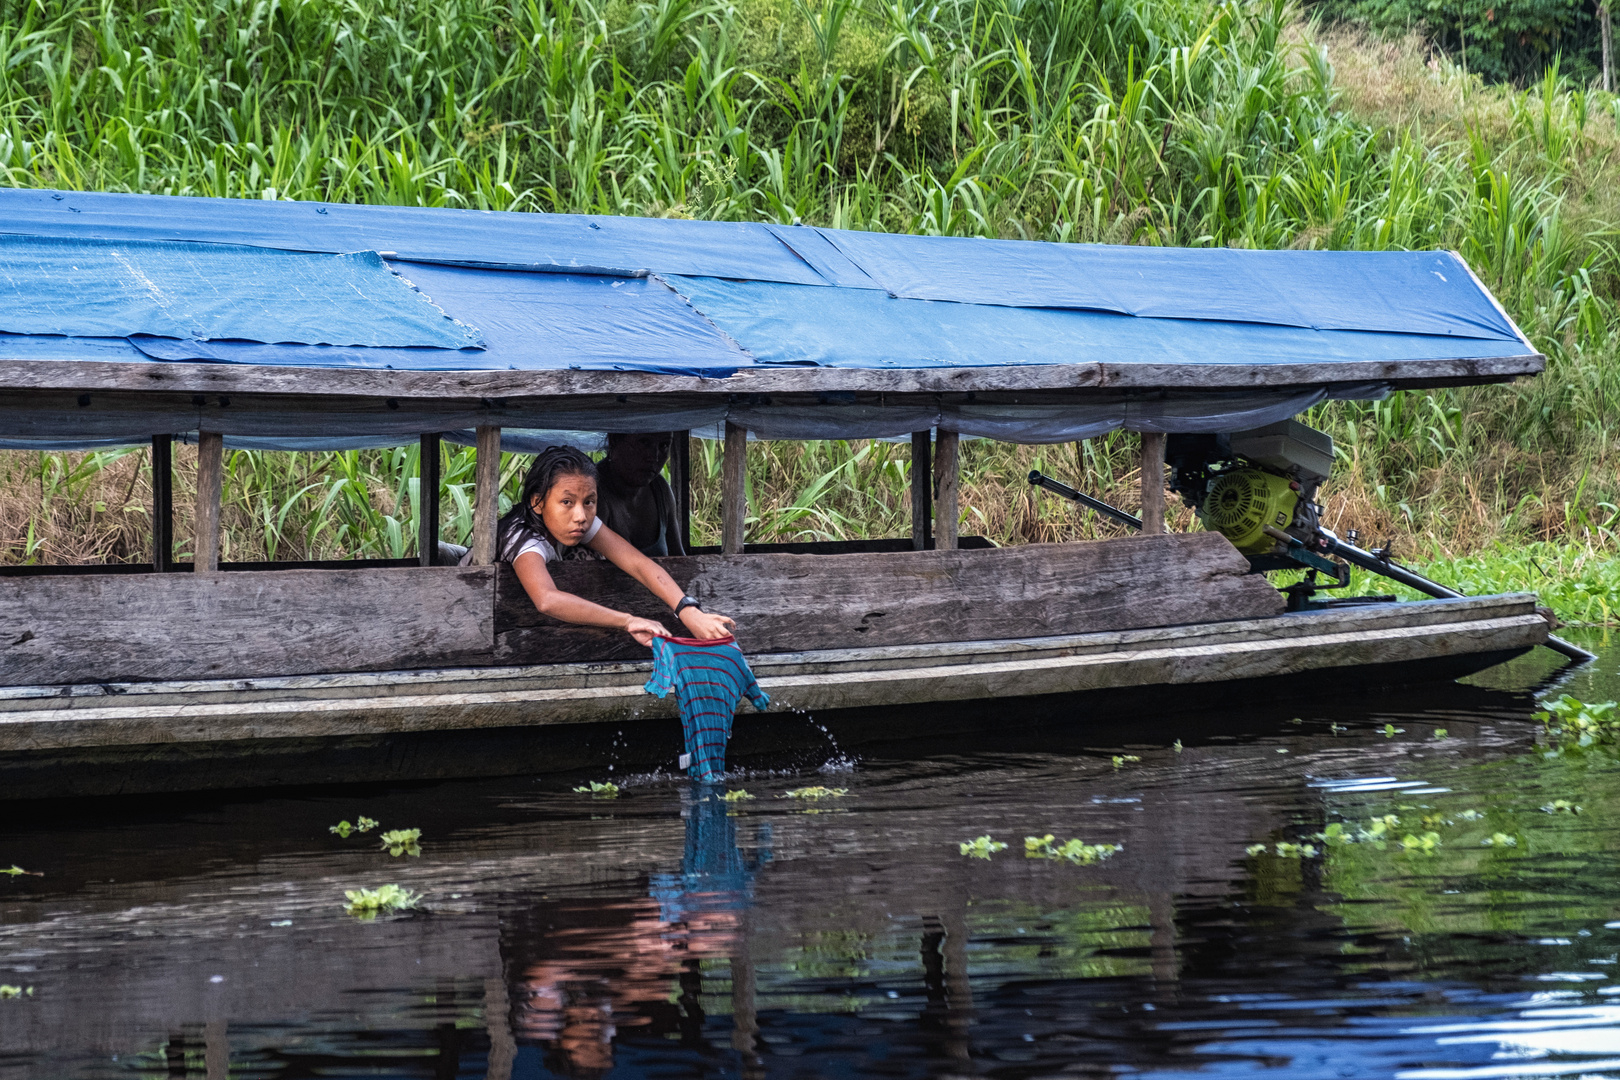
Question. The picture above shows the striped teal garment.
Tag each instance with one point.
(709, 679)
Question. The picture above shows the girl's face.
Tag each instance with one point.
(568, 508)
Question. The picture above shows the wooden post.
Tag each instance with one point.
(210, 488)
(734, 490)
(922, 489)
(945, 483)
(163, 503)
(486, 495)
(680, 483)
(1152, 483)
(427, 502)
(1608, 47)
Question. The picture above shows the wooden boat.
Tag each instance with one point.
(171, 675)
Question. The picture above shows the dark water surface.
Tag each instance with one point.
(665, 933)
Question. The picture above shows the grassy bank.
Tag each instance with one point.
(1184, 122)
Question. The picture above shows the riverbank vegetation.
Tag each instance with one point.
(1183, 122)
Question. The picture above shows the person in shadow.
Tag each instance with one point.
(634, 499)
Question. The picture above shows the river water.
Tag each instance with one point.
(667, 933)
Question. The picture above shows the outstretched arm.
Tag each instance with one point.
(550, 600)
(621, 553)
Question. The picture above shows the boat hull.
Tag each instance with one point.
(140, 737)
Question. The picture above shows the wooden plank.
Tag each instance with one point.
(486, 495)
(734, 490)
(1285, 647)
(947, 477)
(922, 490)
(680, 484)
(168, 626)
(484, 386)
(205, 514)
(163, 503)
(427, 498)
(789, 603)
(1152, 482)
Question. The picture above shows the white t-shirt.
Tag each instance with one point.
(547, 550)
(522, 540)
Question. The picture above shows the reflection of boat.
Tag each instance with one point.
(122, 678)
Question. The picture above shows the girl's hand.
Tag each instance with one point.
(706, 626)
(644, 630)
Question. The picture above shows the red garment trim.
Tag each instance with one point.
(727, 640)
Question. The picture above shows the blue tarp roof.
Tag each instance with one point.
(546, 291)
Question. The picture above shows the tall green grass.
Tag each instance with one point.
(1179, 122)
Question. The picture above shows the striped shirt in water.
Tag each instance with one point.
(709, 679)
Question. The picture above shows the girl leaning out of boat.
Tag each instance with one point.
(554, 520)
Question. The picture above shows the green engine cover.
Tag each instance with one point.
(1241, 503)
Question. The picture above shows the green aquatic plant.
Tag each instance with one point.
(362, 824)
(1284, 850)
(1075, 851)
(609, 790)
(1177, 746)
(1500, 840)
(736, 796)
(1439, 734)
(369, 903)
(981, 847)
(1573, 722)
(1121, 759)
(8, 991)
(1390, 731)
(1561, 806)
(399, 842)
(1425, 843)
(817, 793)
(17, 871)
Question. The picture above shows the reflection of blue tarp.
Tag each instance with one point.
(93, 288)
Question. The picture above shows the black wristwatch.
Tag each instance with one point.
(686, 602)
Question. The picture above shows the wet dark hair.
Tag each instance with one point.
(550, 465)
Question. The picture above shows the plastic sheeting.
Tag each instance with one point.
(96, 288)
(1402, 292)
(530, 322)
(791, 324)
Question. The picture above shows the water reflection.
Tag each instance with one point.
(668, 932)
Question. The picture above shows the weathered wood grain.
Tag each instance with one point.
(734, 490)
(474, 386)
(210, 487)
(168, 626)
(788, 603)
(486, 494)
(922, 491)
(1152, 483)
(947, 481)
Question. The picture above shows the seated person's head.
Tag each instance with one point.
(559, 494)
(635, 459)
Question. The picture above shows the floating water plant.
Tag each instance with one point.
(609, 790)
(981, 847)
(1121, 759)
(1390, 731)
(1177, 747)
(399, 842)
(1561, 806)
(1425, 843)
(8, 991)
(817, 793)
(362, 825)
(17, 871)
(1438, 734)
(736, 796)
(1500, 840)
(1470, 815)
(1076, 851)
(369, 903)
(1284, 850)
(1571, 720)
